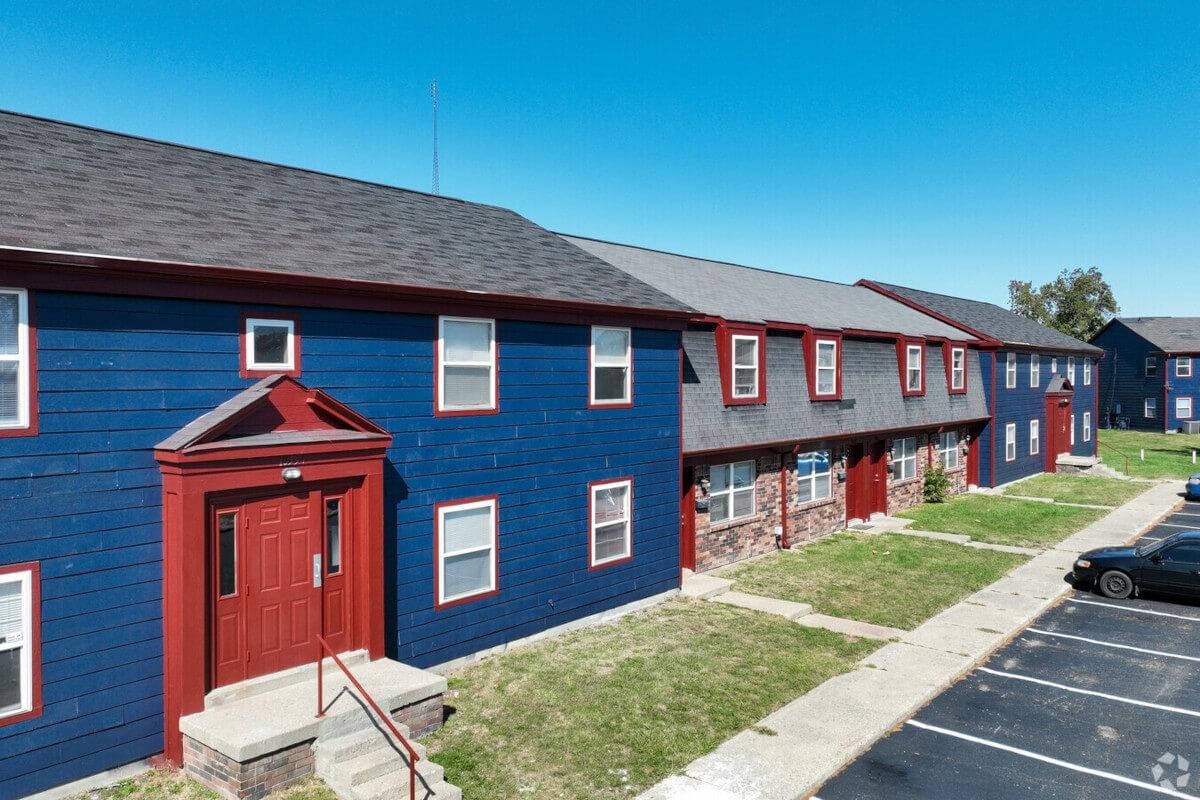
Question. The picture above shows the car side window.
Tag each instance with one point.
(1183, 553)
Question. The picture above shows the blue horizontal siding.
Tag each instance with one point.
(119, 374)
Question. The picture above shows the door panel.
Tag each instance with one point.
(856, 500)
(878, 472)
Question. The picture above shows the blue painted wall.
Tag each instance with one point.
(1182, 387)
(1124, 386)
(117, 375)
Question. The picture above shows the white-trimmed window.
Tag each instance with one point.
(814, 479)
(270, 344)
(827, 367)
(904, 458)
(610, 526)
(958, 368)
(745, 366)
(1087, 426)
(612, 366)
(1071, 369)
(1183, 366)
(1010, 442)
(1035, 370)
(948, 449)
(1053, 366)
(466, 549)
(1010, 371)
(1183, 407)
(1151, 368)
(466, 379)
(914, 355)
(1035, 437)
(17, 641)
(1087, 372)
(731, 491)
(1149, 408)
(1072, 430)
(14, 359)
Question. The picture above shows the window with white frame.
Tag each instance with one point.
(612, 365)
(16, 642)
(1035, 437)
(948, 449)
(1087, 426)
(1035, 370)
(466, 549)
(1150, 408)
(745, 366)
(958, 368)
(1151, 368)
(610, 538)
(827, 366)
(1071, 369)
(270, 344)
(813, 476)
(466, 364)
(1053, 367)
(14, 359)
(1010, 442)
(731, 491)
(904, 458)
(913, 366)
(1183, 366)
(1072, 430)
(1010, 371)
(1087, 372)
(1183, 407)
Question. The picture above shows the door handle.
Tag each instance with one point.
(317, 572)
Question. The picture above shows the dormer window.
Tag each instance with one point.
(911, 355)
(958, 369)
(270, 346)
(745, 367)
(742, 360)
(827, 383)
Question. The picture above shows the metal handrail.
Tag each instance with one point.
(413, 758)
(1115, 450)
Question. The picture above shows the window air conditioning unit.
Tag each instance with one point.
(1191, 427)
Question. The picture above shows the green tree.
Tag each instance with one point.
(1078, 302)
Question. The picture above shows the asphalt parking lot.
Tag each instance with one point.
(1096, 698)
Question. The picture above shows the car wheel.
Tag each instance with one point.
(1115, 584)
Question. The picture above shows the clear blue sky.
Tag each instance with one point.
(946, 146)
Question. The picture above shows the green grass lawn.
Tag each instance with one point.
(1168, 455)
(889, 579)
(169, 784)
(608, 711)
(1089, 490)
(999, 520)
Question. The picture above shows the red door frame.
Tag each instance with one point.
(856, 459)
(973, 459)
(1058, 415)
(878, 472)
(687, 521)
(191, 478)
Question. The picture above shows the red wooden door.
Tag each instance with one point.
(1058, 429)
(687, 520)
(973, 460)
(857, 501)
(878, 477)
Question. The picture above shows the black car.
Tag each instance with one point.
(1171, 566)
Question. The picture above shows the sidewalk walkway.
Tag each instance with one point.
(823, 730)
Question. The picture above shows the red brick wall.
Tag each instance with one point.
(252, 779)
(817, 517)
(908, 493)
(723, 543)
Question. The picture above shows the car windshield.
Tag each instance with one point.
(1154, 547)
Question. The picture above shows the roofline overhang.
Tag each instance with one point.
(853, 333)
(60, 270)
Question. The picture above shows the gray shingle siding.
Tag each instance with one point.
(75, 189)
(871, 395)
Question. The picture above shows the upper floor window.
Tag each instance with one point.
(467, 537)
(948, 449)
(1183, 367)
(1010, 371)
(1053, 367)
(914, 368)
(731, 491)
(827, 372)
(270, 346)
(904, 458)
(958, 369)
(745, 366)
(1087, 372)
(611, 527)
(814, 479)
(466, 379)
(612, 366)
(1183, 407)
(1071, 369)
(1035, 370)
(19, 673)
(14, 359)
(1151, 368)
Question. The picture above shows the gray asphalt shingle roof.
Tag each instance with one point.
(992, 320)
(748, 294)
(1169, 334)
(70, 188)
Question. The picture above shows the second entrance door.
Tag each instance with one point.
(866, 480)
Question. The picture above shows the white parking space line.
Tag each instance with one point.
(1132, 609)
(966, 737)
(1112, 644)
(1116, 698)
(1171, 525)
(1185, 514)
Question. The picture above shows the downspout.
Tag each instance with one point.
(992, 453)
(783, 501)
(1166, 396)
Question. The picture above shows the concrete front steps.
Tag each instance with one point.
(367, 765)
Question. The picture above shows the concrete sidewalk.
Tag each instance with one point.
(820, 732)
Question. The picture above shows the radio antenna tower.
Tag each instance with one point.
(436, 178)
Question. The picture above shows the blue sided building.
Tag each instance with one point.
(247, 409)
(1041, 387)
(1149, 381)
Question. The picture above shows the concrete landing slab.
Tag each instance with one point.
(704, 587)
(782, 608)
(850, 627)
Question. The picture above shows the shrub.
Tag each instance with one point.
(937, 484)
